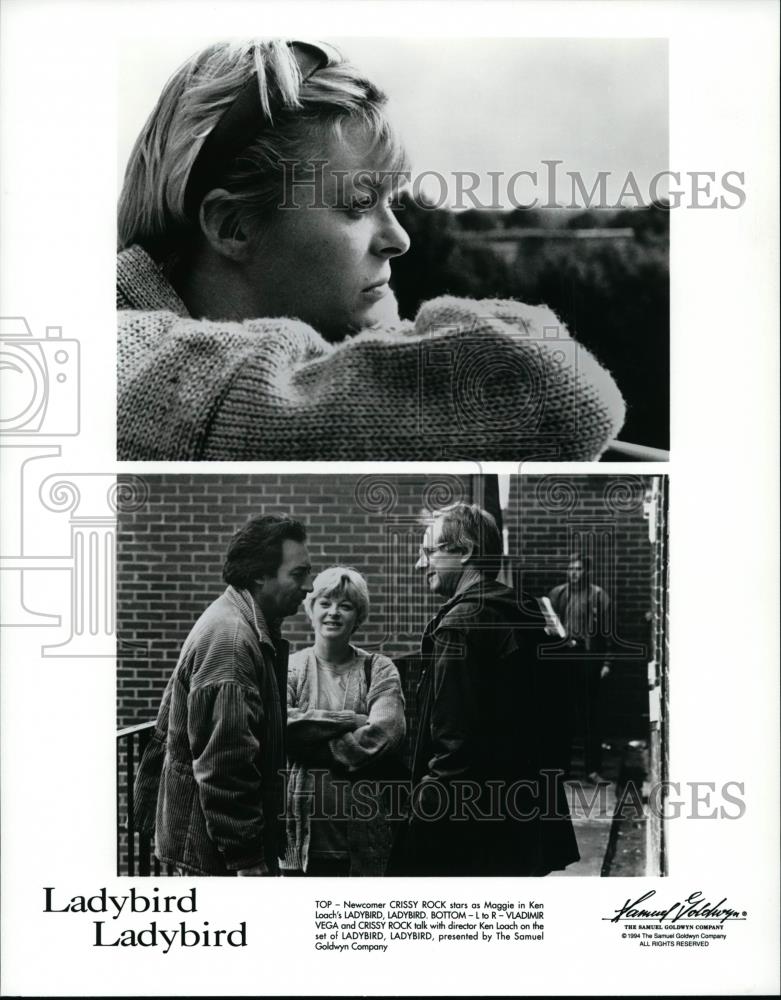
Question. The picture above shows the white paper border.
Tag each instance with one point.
(58, 173)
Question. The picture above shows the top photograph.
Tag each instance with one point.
(393, 249)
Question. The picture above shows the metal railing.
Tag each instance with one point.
(135, 849)
(618, 451)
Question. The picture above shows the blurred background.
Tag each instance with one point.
(604, 273)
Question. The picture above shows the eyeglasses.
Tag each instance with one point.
(427, 551)
(240, 121)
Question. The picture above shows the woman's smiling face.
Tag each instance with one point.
(326, 258)
(334, 616)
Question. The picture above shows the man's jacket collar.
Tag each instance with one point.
(250, 609)
(480, 590)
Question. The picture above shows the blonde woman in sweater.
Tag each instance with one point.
(256, 237)
(345, 715)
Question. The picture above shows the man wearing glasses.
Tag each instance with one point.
(211, 779)
(481, 801)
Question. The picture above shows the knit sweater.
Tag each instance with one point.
(322, 738)
(490, 380)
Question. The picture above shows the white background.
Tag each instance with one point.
(58, 179)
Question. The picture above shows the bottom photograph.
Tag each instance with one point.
(400, 675)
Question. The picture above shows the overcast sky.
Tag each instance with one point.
(484, 104)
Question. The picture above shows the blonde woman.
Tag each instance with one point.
(256, 237)
(345, 716)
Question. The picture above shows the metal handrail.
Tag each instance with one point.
(639, 452)
(135, 852)
(135, 848)
(135, 729)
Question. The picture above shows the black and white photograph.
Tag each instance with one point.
(389, 476)
(391, 675)
(326, 256)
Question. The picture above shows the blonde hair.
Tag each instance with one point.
(299, 117)
(338, 581)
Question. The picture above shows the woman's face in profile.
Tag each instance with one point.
(326, 259)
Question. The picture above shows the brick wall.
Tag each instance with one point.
(171, 548)
(171, 544)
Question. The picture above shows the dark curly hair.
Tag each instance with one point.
(256, 549)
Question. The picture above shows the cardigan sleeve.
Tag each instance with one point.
(313, 725)
(385, 726)
(309, 730)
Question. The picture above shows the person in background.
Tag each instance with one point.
(345, 720)
(584, 611)
(211, 781)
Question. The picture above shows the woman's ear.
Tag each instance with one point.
(221, 225)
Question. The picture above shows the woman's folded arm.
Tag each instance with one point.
(492, 379)
(384, 728)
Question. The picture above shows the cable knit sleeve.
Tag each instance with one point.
(310, 730)
(385, 727)
(490, 379)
